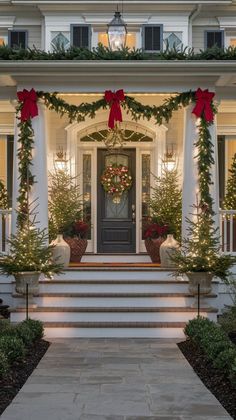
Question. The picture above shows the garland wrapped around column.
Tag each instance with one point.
(204, 110)
(27, 109)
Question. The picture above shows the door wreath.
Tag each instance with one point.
(116, 180)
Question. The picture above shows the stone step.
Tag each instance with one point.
(137, 286)
(111, 314)
(114, 329)
(115, 273)
(113, 299)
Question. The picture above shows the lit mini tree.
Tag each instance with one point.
(64, 203)
(166, 202)
(200, 250)
(230, 197)
(4, 199)
(29, 252)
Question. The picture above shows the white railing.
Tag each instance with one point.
(5, 229)
(228, 231)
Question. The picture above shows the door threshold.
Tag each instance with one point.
(116, 258)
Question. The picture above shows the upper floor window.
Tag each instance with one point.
(81, 36)
(17, 39)
(213, 38)
(130, 39)
(152, 38)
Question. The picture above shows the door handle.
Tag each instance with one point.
(133, 214)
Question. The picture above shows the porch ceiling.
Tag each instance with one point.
(96, 76)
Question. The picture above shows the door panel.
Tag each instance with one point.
(116, 228)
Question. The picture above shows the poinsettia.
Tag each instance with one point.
(154, 230)
(80, 228)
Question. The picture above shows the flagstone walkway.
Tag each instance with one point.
(114, 379)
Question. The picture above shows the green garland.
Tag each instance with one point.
(24, 155)
(103, 53)
(162, 113)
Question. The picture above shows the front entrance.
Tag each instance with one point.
(116, 220)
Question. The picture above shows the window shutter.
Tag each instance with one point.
(214, 38)
(17, 39)
(152, 38)
(81, 36)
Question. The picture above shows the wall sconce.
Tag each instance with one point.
(60, 162)
(169, 160)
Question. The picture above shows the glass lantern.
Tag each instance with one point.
(117, 32)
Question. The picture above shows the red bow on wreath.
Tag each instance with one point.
(114, 99)
(203, 104)
(29, 108)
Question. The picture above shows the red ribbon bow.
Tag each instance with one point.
(203, 104)
(114, 99)
(29, 108)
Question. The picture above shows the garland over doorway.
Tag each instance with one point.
(204, 110)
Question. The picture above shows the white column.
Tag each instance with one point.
(39, 191)
(190, 170)
(15, 187)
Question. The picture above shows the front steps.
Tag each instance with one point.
(119, 302)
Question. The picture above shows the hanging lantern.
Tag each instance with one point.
(60, 162)
(169, 160)
(117, 32)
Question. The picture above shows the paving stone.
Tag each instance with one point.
(114, 379)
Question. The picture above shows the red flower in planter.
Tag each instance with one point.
(81, 228)
(155, 231)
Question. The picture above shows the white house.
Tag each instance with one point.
(151, 26)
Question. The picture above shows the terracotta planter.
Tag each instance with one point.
(77, 248)
(153, 248)
(204, 280)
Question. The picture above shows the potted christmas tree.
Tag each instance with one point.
(230, 201)
(166, 213)
(199, 257)
(29, 256)
(65, 208)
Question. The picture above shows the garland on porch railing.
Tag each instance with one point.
(204, 110)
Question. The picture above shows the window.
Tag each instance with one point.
(6, 162)
(18, 39)
(152, 38)
(81, 36)
(214, 38)
(130, 39)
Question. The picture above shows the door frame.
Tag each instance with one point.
(104, 223)
(76, 149)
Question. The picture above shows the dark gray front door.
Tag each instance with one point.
(116, 222)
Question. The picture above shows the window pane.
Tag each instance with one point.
(18, 39)
(87, 190)
(214, 38)
(148, 38)
(146, 170)
(81, 36)
(156, 38)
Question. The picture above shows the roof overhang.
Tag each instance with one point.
(135, 76)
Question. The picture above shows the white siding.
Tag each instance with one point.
(34, 36)
(198, 36)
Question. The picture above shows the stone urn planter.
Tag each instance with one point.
(77, 248)
(204, 280)
(61, 251)
(167, 249)
(32, 279)
(153, 248)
